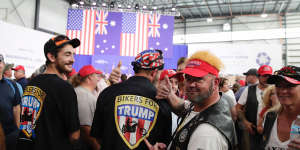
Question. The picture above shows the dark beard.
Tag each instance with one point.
(61, 69)
(201, 98)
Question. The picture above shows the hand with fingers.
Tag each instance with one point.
(249, 127)
(294, 144)
(157, 146)
(164, 89)
(115, 75)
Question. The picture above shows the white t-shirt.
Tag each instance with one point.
(274, 142)
(231, 94)
(86, 105)
(205, 137)
(259, 93)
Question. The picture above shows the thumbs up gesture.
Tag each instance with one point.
(115, 75)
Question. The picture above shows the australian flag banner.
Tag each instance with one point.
(120, 33)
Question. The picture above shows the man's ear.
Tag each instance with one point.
(51, 57)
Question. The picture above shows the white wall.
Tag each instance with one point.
(245, 30)
(53, 14)
(27, 48)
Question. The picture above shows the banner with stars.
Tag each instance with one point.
(120, 33)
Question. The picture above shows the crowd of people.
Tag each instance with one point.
(191, 107)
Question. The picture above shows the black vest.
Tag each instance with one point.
(251, 105)
(217, 115)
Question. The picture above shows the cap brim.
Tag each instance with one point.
(276, 78)
(98, 72)
(194, 72)
(74, 42)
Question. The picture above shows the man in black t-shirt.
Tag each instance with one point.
(49, 116)
(128, 113)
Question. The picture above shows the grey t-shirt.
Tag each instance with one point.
(86, 105)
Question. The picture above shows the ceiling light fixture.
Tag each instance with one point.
(209, 20)
(264, 15)
(81, 2)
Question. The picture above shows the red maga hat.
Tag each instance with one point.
(199, 68)
(171, 73)
(87, 70)
(265, 69)
(19, 67)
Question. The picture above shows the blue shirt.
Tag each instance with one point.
(8, 99)
(23, 81)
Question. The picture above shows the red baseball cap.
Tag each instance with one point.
(242, 82)
(199, 68)
(72, 73)
(265, 69)
(171, 73)
(87, 70)
(19, 67)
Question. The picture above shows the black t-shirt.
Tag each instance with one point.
(49, 113)
(9, 97)
(128, 112)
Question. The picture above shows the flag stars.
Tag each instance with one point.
(102, 51)
(113, 46)
(104, 41)
(166, 49)
(113, 23)
(106, 48)
(165, 26)
(157, 43)
(98, 46)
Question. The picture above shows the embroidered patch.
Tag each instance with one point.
(32, 102)
(183, 135)
(135, 116)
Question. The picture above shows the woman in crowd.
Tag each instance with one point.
(271, 103)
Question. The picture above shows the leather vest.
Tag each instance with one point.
(217, 115)
(251, 105)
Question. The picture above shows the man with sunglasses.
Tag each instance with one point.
(206, 121)
(277, 125)
(127, 113)
(250, 104)
(49, 116)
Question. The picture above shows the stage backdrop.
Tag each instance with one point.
(238, 58)
(120, 33)
(107, 62)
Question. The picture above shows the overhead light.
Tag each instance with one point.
(264, 15)
(154, 7)
(144, 7)
(94, 3)
(173, 9)
(209, 20)
(136, 6)
(119, 5)
(103, 4)
(81, 2)
(112, 5)
(129, 6)
(226, 27)
(74, 5)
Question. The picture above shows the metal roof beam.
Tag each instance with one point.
(200, 12)
(287, 6)
(209, 11)
(298, 7)
(221, 12)
(253, 3)
(275, 5)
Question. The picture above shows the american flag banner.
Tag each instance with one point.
(120, 33)
(134, 37)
